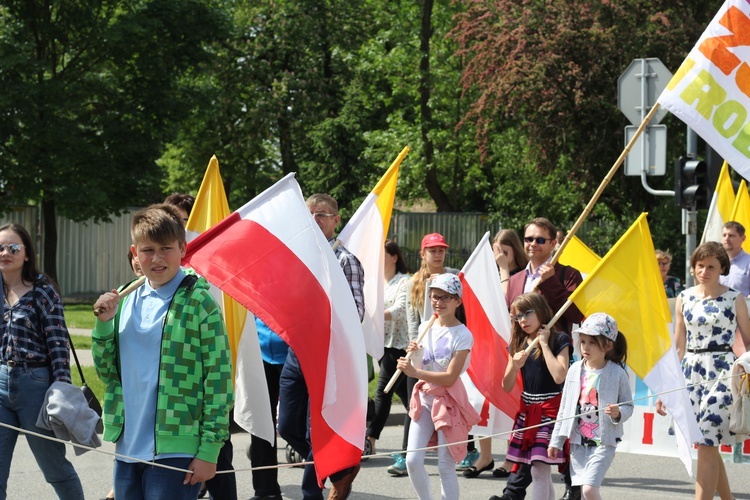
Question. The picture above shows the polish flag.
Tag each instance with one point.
(271, 257)
(364, 236)
(489, 322)
(252, 407)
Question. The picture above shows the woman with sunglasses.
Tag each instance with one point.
(543, 372)
(34, 353)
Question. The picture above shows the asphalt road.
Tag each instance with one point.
(646, 477)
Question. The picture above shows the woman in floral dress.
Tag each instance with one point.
(708, 316)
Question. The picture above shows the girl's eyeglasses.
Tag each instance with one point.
(13, 248)
(524, 315)
(441, 298)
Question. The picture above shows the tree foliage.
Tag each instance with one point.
(91, 91)
(549, 70)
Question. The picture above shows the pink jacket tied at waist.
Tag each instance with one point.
(451, 413)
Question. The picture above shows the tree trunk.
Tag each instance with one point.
(49, 222)
(286, 143)
(431, 180)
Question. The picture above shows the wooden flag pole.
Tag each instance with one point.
(125, 292)
(550, 324)
(395, 376)
(604, 183)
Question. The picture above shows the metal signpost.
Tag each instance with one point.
(638, 89)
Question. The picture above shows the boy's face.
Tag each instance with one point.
(158, 262)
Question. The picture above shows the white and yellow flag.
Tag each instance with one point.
(722, 204)
(710, 92)
(364, 236)
(741, 211)
(252, 407)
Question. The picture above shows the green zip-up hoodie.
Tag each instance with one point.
(195, 375)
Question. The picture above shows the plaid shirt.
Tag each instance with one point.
(354, 273)
(27, 337)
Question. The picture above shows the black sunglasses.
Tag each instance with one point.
(539, 240)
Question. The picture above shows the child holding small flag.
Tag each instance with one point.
(446, 348)
(542, 356)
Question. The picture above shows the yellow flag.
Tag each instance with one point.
(252, 410)
(627, 285)
(741, 211)
(725, 193)
(722, 204)
(579, 256)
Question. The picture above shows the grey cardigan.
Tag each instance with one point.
(614, 386)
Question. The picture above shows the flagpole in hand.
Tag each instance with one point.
(409, 354)
(125, 292)
(600, 190)
(549, 324)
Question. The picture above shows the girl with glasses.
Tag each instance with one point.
(543, 372)
(444, 356)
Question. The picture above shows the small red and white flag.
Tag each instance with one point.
(271, 257)
(489, 322)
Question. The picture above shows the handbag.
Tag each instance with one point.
(87, 392)
(739, 419)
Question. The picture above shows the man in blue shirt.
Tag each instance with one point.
(732, 238)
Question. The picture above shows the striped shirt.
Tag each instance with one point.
(30, 338)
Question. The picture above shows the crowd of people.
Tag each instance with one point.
(164, 355)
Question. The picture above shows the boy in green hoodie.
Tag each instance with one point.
(163, 353)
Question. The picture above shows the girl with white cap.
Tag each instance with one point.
(596, 400)
(445, 356)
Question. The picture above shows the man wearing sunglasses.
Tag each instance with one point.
(556, 284)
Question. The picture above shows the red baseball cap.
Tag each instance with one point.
(434, 240)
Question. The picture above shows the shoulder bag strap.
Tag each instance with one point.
(70, 340)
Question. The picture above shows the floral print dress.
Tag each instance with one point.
(711, 324)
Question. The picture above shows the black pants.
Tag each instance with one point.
(223, 486)
(263, 453)
(382, 400)
(519, 481)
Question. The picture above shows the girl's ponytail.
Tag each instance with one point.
(619, 352)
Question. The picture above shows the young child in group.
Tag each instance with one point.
(163, 353)
(445, 356)
(543, 371)
(597, 389)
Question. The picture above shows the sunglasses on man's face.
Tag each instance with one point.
(539, 240)
(13, 248)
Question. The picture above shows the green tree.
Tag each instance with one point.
(92, 89)
(548, 71)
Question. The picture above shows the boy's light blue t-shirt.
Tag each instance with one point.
(141, 324)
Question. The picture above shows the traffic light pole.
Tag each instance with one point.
(690, 230)
(690, 216)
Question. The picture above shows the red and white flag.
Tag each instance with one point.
(271, 257)
(489, 322)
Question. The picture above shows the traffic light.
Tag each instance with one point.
(691, 183)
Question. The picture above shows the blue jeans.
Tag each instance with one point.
(294, 421)
(22, 392)
(294, 424)
(139, 481)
